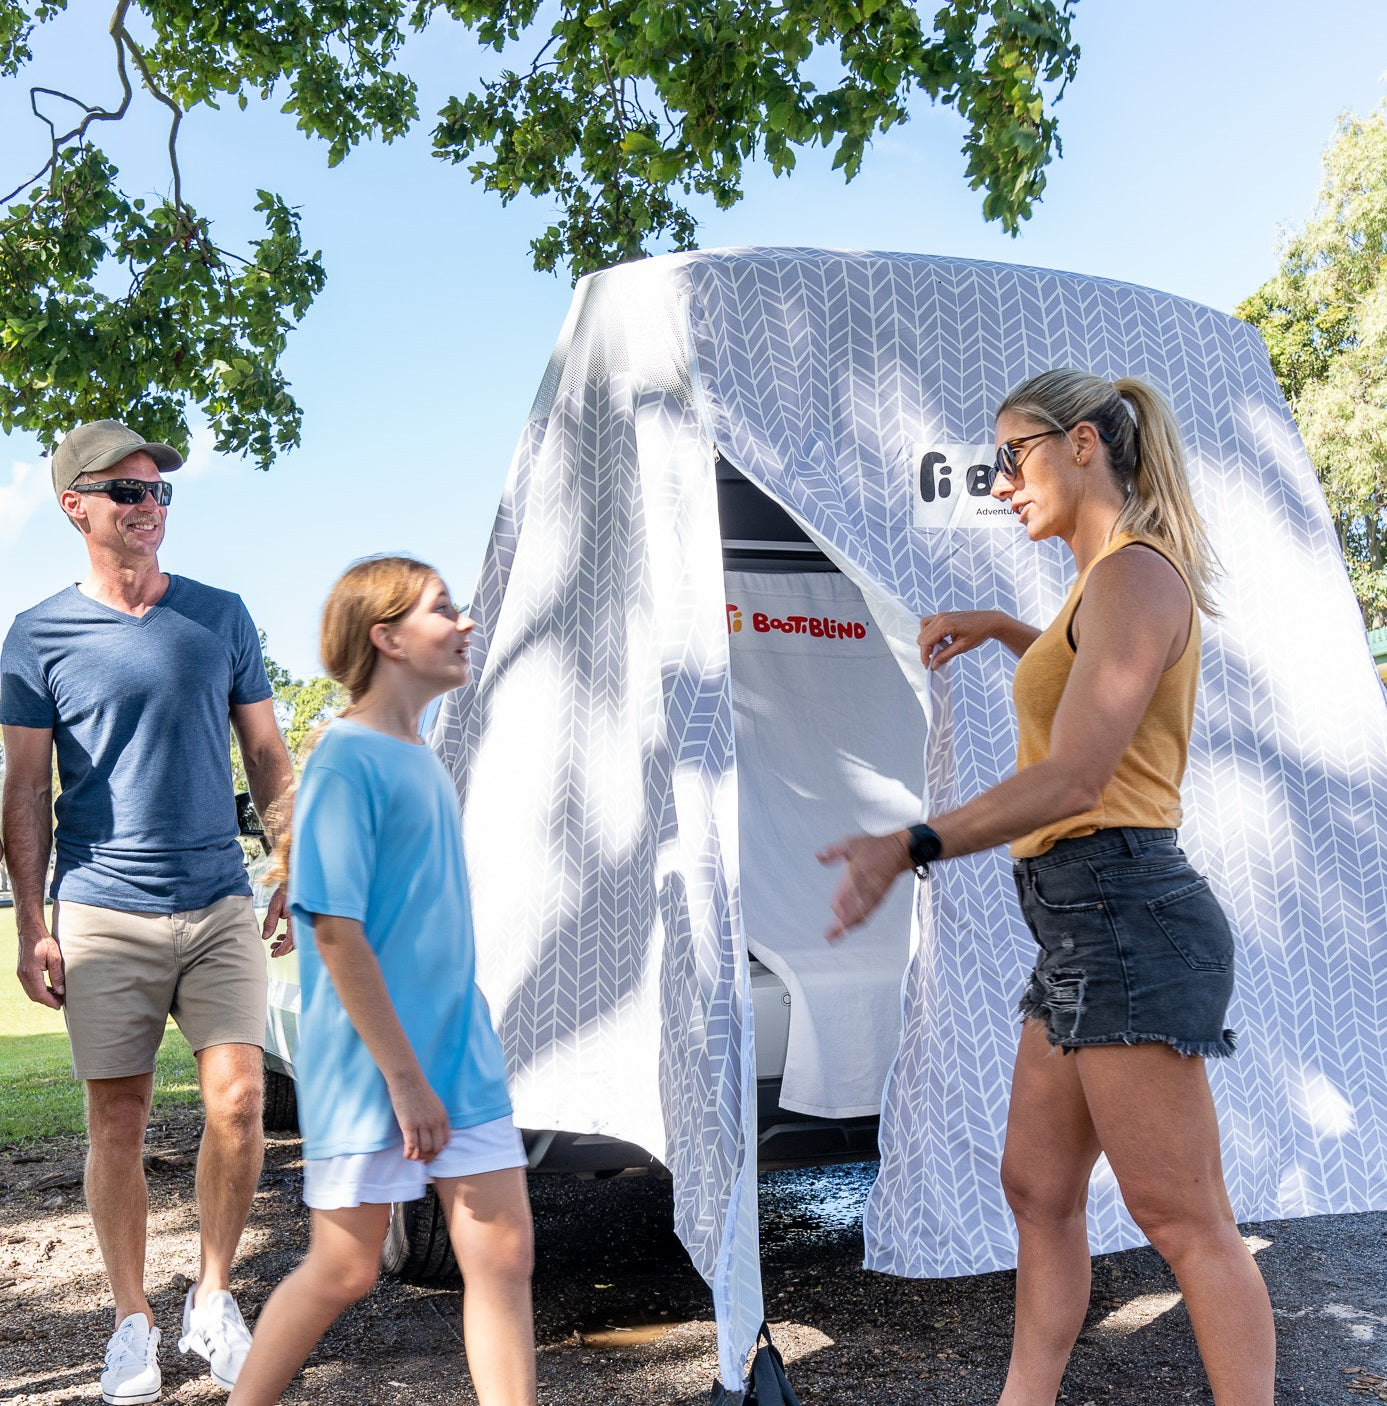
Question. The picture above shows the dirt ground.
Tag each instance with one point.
(622, 1317)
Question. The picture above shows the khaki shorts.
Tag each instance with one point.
(126, 973)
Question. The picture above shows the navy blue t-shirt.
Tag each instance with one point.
(140, 711)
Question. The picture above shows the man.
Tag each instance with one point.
(133, 675)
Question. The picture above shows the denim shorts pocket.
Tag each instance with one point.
(1066, 888)
(1195, 926)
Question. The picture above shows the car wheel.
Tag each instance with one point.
(417, 1248)
(281, 1107)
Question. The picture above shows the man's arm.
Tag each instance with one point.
(269, 773)
(28, 830)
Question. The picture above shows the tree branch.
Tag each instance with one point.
(125, 43)
(538, 59)
(93, 114)
(124, 37)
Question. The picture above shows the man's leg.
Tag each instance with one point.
(228, 1164)
(117, 1198)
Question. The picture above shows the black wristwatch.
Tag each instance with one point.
(924, 847)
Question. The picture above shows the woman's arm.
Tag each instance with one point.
(1131, 626)
(954, 632)
(356, 975)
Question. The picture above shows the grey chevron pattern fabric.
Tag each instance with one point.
(828, 374)
(596, 762)
(594, 759)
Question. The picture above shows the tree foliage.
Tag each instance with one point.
(1324, 319)
(625, 111)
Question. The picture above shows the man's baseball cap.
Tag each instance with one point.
(90, 448)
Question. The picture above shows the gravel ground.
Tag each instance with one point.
(622, 1317)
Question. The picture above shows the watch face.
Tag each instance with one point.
(924, 845)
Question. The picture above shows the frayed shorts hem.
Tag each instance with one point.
(1223, 1048)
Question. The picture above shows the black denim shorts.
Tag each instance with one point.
(1134, 948)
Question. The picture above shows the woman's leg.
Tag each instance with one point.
(1156, 1122)
(342, 1263)
(1050, 1150)
(489, 1225)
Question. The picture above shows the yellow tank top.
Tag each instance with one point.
(1145, 788)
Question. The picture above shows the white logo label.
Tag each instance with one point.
(951, 488)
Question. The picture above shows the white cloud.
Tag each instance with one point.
(202, 460)
(28, 487)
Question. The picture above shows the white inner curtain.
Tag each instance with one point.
(830, 741)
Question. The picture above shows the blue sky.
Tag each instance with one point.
(1192, 136)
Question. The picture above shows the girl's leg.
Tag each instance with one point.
(342, 1263)
(1051, 1147)
(1156, 1122)
(489, 1225)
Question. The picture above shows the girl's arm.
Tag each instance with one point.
(957, 631)
(1132, 625)
(356, 975)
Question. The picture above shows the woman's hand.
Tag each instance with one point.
(422, 1118)
(872, 864)
(954, 632)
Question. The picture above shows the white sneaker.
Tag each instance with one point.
(217, 1332)
(132, 1363)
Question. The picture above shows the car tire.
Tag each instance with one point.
(280, 1113)
(417, 1248)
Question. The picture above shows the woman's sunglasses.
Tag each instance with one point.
(1006, 463)
(129, 491)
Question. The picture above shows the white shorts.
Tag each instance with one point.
(378, 1178)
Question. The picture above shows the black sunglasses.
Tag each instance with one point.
(129, 491)
(1006, 463)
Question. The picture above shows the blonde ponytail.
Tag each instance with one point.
(1145, 454)
(1160, 504)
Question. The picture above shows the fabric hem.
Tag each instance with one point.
(257, 1040)
(475, 1118)
(1223, 1048)
(242, 889)
(82, 1076)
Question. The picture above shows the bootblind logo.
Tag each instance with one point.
(951, 488)
(819, 627)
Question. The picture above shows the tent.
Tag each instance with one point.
(600, 774)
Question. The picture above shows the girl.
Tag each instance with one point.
(1134, 968)
(400, 1075)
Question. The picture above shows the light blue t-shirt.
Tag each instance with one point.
(140, 708)
(377, 838)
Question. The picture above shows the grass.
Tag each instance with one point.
(38, 1096)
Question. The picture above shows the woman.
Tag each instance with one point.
(401, 1077)
(1134, 968)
